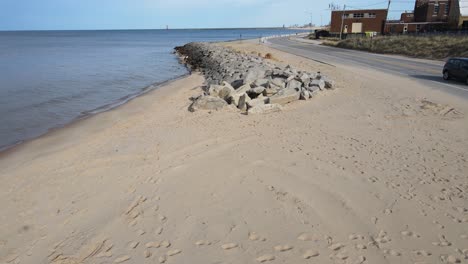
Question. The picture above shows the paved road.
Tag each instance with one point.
(426, 71)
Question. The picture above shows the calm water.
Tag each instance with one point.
(49, 78)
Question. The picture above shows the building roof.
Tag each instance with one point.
(365, 10)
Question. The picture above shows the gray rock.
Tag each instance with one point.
(313, 89)
(207, 103)
(318, 83)
(329, 84)
(255, 102)
(214, 89)
(304, 77)
(243, 89)
(253, 75)
(294, 84)
(225, 92)
(305, 95)
(285, 96)
(257, 90)
(234, 99)
(271, 91)
(265, 109)
(237, 83)
(277, 73)
(261, 83)
(278, 82)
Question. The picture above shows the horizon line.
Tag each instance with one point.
(164, 29)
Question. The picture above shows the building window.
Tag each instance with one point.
(358, 15)
(372, 15)
(436, 9)
(446, 10)
(418, 28)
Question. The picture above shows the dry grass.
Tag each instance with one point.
(268, 56)
(429, 47)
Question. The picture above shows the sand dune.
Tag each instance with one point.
(372, 172)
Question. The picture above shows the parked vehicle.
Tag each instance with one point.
(322, 33)
(456, 68)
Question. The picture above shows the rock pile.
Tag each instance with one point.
(247, 82)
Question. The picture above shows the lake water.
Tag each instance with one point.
(50, 78)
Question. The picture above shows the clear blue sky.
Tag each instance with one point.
(144, 14)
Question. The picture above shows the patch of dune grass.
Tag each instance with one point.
(429, 47)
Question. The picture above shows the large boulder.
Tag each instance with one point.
(285, 96)
(278, 82)
(305, 95)
(257, 90)
(207, 103)
(254, 74)
(261, 83)
(255, 102)
(243, 89)
(265, 109)
(318, 83)
(294, 84)
(243, 100)
(214, 89)
(329, 84)
(226, 91)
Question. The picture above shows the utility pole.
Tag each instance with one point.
(386, 18)
(342, 21)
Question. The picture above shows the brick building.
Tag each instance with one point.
(429, 15)
(358, 21)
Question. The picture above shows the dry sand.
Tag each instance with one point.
(372, 172)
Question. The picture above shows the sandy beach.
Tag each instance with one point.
(374, 171)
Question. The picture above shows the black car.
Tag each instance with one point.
(456, 68)
(322, 33)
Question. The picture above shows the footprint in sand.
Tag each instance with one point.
(165, 244)
(361, 246)
(152, 245)
(283, 248)
(341, 255)
(355, 237)
(173, 252)
(255, 237)
(107, 254)
(202, 243)
(147, 253)
(141, 232)
(450, 259)
(382, 238)
(305, 237)
(162, 259)
(229, 246)
(122, 259)
(439, 225)
(158, 231)
(422, 253)
(265, 258)
(133, 244)
(336, 246)
(310, 254)
(443, 242)
(360, 260)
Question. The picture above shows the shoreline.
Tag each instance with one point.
(5, 150)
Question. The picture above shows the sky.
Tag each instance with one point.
(156, 14)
